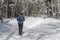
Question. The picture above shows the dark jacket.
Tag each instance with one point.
(20, 19)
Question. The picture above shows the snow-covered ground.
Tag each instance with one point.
(35, 28)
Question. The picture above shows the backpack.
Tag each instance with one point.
(20, 18)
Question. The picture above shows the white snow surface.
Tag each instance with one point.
(46, 28)
(33, 21)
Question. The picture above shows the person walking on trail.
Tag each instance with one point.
(20, 20)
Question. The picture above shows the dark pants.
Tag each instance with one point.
(20, 28)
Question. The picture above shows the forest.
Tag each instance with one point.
(11, 8)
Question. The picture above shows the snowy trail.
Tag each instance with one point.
(35, 28)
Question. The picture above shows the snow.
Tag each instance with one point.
(35, 28)
(52, 37)
(33, 22)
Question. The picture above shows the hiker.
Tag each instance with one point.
(20, 20)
